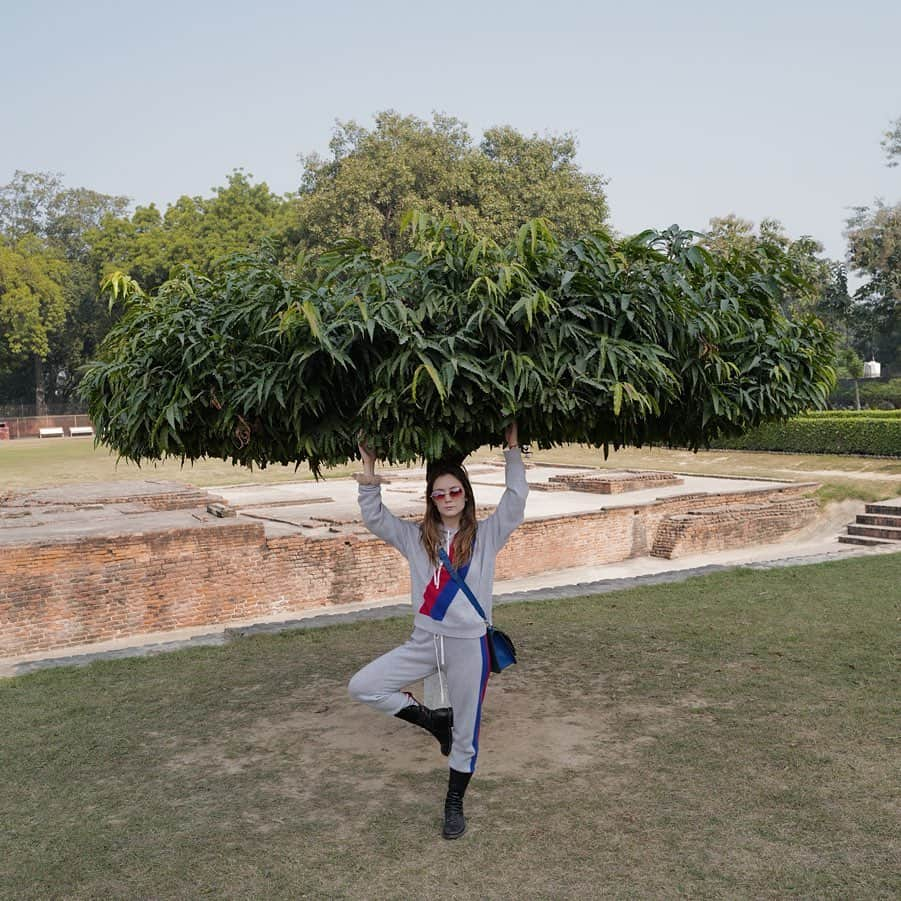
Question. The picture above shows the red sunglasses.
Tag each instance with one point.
(438, 494)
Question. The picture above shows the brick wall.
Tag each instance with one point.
(729, 527)
(616, 482)
(74, 592)
(308, 572)
(68, 592)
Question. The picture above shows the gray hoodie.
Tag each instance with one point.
(439, 606)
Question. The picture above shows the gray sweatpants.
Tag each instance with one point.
(465, 665)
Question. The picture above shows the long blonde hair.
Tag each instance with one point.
(430, 528)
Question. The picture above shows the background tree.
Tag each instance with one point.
(48, 224)
(38, 203)
(891, 143)
(405, 163)
(193, 231)
(362, 192)
(850, 366)
(874, 250)
(30, 204)
(33, 304)
(732, 236)
(874, 254)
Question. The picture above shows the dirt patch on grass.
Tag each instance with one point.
(522, 732)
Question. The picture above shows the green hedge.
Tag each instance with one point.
(876, 435)
(858, 414)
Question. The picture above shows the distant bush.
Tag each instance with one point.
(879, 395)
(877, 434)
(859, 414)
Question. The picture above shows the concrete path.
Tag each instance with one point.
(286, 507)
(315, 509)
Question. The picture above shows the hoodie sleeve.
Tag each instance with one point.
(511, 509)
(382, 522)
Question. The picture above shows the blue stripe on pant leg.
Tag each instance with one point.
(483, 685)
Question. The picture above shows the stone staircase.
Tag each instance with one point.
(879, 525)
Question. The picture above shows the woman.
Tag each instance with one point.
(448, 635)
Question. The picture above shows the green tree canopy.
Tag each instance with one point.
(733, 237)
(590, 339)
(193, 231)
(374, 176)
(33, 301)
(891, 143)
(48, 223)
(38, 203)
(874, 248)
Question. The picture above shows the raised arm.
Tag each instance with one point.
(511, 508)
(378, 518)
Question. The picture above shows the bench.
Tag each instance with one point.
(76, 430)
(51, 432)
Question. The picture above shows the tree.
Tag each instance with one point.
(891, 143)
(821, 288)
(33, 305)
(44, 220)
(850, 366)
(193, 231)
(732, 235)
(648, 339)
(37, 203)
(874, 253)
(874, 249)
(374, 177)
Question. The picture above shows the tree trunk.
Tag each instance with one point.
(40, 405)
(857, 393)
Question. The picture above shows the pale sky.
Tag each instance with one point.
(691, 109)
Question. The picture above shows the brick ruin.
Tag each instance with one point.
(171, 560)
(615, 482)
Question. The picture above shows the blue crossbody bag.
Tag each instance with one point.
(500, 647)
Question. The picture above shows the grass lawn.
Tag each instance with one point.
(35, 462)
(32, 463)
(842, 477)
(732, 736)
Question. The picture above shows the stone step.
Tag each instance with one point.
(886, 533)
(867, 519)
(854, 539)
(885, 508)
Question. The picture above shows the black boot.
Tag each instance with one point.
(454, 822)
(438, 722)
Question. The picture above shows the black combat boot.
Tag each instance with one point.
(454, 822)
(438, 721)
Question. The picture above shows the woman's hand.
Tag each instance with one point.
(511, 435)
(367, 456)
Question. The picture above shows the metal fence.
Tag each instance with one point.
(10, 411)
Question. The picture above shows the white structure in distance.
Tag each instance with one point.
(871, 370)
